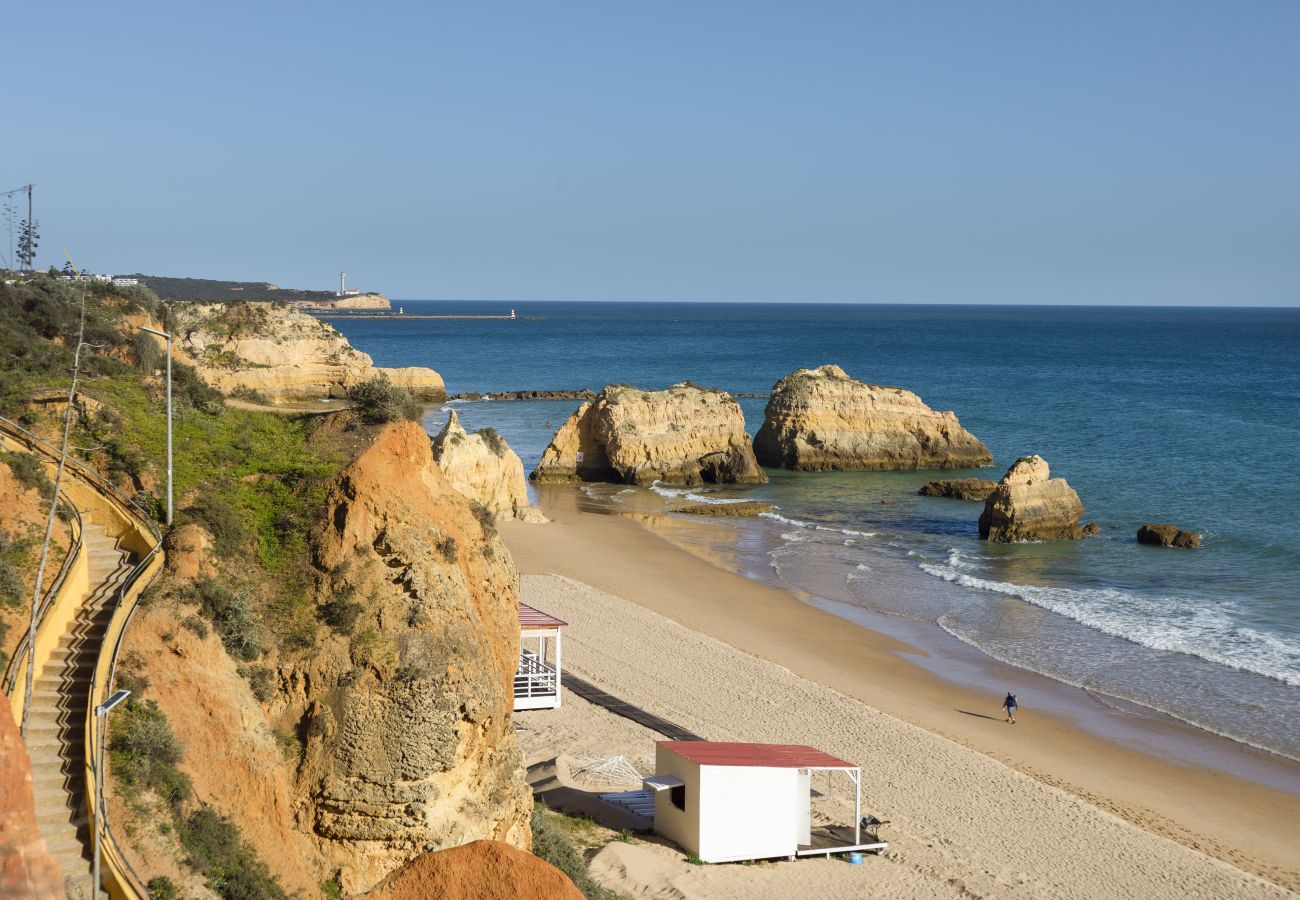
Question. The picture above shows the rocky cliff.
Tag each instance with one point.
(282, 353)
(483, 468)
(1168, 536)
(684, 435)
(823, 420)
(409, 741)
(355, 301)
(975, 489)
(1029, 505)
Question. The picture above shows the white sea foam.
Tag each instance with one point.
(785, 520)
(1171, 624)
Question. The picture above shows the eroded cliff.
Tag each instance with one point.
(282, 353)
(684, 435)
(1029, 505)
(483, 468)
(823, 420)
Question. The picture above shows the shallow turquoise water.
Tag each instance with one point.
(1186, 416)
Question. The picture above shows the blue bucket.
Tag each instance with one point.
(855, 858)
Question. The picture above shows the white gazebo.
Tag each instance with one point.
(537, 680)
(725, 802)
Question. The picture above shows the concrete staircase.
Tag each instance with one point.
(57, 722)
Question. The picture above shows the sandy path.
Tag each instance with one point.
(963, 824)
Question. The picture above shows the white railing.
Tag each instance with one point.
(534, 678)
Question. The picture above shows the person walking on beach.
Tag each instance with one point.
(1010, 705)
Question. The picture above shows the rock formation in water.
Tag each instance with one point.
(685, 435)
(959, 489)
(409, 739)
(282, 353)
(481, 870)
(482, 467)
(1168, 536)
(26, 867)
(821, 420)
(1029, 505)
(749, 509)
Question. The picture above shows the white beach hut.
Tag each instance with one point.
(537, 680)
(724, 802)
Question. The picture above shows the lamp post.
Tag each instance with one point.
(101, 716)
(167, 335)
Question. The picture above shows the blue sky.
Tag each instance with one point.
(905, 152)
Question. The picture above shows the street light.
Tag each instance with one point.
(101, 714)
(168, 336)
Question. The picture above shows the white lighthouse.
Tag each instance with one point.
(343, 284)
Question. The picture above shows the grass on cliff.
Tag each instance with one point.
(552, 843)
(145, 755)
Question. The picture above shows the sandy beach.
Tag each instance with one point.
(978, 808)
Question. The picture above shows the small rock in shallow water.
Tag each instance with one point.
(1168, 536)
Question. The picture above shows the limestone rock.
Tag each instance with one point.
(282, 352)
(1029, 505)
(821, 420)
(685, 435)
(481, 870)
(749, 509)
(409, 737)
(482, 467)
(1168, 536)
(26, 867)
(959, 488)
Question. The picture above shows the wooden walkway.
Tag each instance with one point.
(592, 694)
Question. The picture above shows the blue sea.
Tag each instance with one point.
(1179, 415)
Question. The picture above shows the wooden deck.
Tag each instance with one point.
(828, 839)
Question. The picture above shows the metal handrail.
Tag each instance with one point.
(136, 512)
(24, 646)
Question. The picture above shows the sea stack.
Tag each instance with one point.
(820, 420)
(1168, 536)
(685, 435)
(974, 489)
(1029, 505)
(483, 468)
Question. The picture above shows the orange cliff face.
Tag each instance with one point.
(482, 870)
(410, 728)
(26, 868)
(404, 721)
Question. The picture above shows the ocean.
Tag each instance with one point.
(1179, 415)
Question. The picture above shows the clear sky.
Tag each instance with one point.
(1031, 152)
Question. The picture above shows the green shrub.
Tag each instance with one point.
(145, 751)
(162, 888)
(222, 521)
(341, 614)
(550, 843)
(496, 443)
(230, 610)
(261, 681)
(216, 849)
(379, 401)
(29, 471)
(487, 519)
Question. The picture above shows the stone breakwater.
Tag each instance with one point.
(684, 435)
(823, 420)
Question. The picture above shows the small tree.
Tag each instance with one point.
(29, 238)
(380, 401)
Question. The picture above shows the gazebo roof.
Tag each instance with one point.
(535, 618)
(770, 756)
